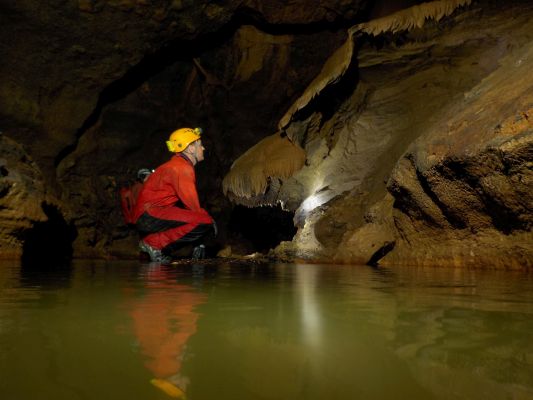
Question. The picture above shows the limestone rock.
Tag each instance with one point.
(417, 142)
(22, 193)
(441, 121)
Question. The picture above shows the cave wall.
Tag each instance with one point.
(421, 153)
(92, 88)
(22, 194)
(211, 91)
(419, 147)
(61, 55)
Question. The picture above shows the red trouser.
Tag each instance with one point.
(184, 221)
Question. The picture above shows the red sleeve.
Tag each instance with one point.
(186, 189)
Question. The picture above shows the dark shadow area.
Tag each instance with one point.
(263, 227)
(333, 95)
(45, 275)
(185, 250)
(48, 244)
(186, 50)
(382, 252)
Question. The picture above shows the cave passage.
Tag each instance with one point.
(49, 243)
(186, 50)
(262, 227)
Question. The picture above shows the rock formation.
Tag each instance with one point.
(414, 120)
(419, 152)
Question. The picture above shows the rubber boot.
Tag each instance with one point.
(198, 252)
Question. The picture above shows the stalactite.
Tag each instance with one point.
(410, 18)
(273, 157)
(339, 62)
(331, 72)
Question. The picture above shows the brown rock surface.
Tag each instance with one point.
(22, 192)
(440, 118)
(418, 148)
(91, 88)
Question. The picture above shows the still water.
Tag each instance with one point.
(125, 330)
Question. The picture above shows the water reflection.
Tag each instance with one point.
(293, 336)
(46, 275)
(266, 332)
(306, 281)
(313, 332)
(164, 318)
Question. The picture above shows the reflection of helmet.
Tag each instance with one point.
(143, 173)
(180, 139)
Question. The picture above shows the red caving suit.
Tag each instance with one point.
(168, 210)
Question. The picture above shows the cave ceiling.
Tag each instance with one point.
(414, 119)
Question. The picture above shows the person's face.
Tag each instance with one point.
(199, 150)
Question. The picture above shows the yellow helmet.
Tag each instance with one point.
(180, 139)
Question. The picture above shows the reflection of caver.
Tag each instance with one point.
(164, 319)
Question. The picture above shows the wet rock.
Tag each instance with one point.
(418, 150)
(445, 130)
(22, 191)
(69, 60)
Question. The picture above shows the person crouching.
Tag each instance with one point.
(168, 211)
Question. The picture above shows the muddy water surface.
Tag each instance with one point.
(125, 330)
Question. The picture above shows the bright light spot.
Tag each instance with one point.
(311, 203)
